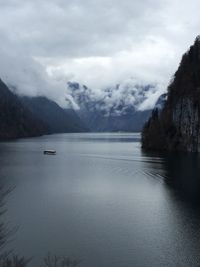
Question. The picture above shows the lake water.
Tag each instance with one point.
(102, 200)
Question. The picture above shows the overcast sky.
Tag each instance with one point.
(96, 42)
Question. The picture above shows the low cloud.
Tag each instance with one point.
(99, 43)
(117, 100)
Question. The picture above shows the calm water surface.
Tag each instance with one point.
(103, 200)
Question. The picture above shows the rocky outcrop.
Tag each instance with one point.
(186, 118)
(177, 126)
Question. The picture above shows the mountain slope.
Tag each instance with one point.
(57, 119)
(15, 120)
(177, 126)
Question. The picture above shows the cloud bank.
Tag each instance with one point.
(128, 96)
(99, 43)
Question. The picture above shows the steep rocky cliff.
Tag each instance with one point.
(177, 126)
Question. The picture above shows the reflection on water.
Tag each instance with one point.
(4, 232)
(103, 200)
(182, 174)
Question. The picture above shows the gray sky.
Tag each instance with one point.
(99, 43)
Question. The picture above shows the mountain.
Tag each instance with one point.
(117, 108)
(16, 120)
(57, 119)
(177, 126)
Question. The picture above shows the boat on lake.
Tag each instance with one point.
(49, 152)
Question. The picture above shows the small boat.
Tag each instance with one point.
(49, 152)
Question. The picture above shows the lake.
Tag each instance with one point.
(102, 200)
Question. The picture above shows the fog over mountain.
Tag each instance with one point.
(115, 100)
(123, 107)
(101, 44)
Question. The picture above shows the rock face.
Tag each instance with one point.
(177, 126)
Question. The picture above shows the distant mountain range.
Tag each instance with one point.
(24, 116)
(117, 108)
